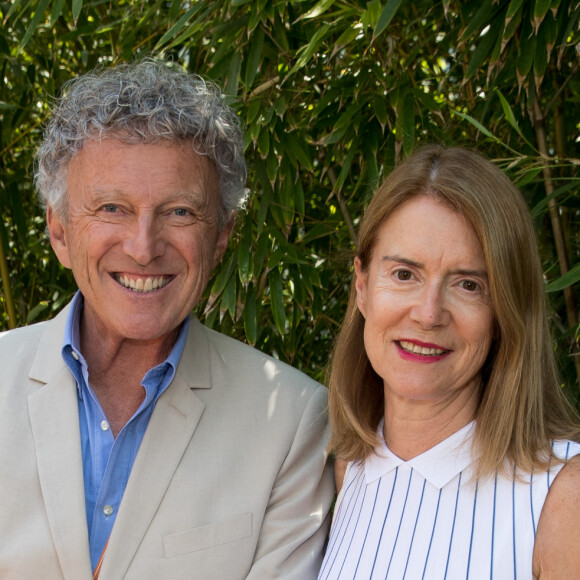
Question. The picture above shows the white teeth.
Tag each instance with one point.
(416, 349)
(140, 285)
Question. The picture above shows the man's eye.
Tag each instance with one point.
(403, 275)
(470, 285)
(181, 212)
(110, 208)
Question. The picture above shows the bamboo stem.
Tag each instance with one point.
(5, 275)
(561, 251)
(343, 207)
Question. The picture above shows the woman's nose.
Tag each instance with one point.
(430, 309)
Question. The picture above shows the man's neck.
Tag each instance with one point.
(116, 370)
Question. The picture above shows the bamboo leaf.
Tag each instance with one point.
(540, 207)
(513, 8)
(295, 151)
(541, 8)
(55, 12)
(36, 311)
(446, 4)
(345, 39)
(509, 114)
(264, 142)
(526, 54)
(483, 49)
(306, 53)
(287, 200)
(244, 253)
(320, 8)
(254, 57)
(224, 274)
(512, 22)
(476, 124)
(387, 14)
(174, 10)
(541, 56)
(34, 23)
(262, 245)
(346, 164)
(571, 277)
(380, 110)
(250, 315)
(14, 6)
(408, 123)
(228, 301)
(77, 6)
(277, 300)
(177, 27)
(478, 21)
(233, 81)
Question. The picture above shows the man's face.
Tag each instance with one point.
(140, 235)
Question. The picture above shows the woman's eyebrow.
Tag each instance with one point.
(401, 260)
(460, 271)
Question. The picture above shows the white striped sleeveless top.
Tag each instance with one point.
(428, 518)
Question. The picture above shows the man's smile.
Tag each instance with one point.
(148, 284)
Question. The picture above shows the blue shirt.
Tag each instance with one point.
(107, 462)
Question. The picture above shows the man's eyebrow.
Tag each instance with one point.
(106, 193)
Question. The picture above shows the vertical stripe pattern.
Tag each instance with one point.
(396, 523)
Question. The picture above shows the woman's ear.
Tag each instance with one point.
(360, 284)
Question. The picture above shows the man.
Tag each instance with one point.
(136, 443)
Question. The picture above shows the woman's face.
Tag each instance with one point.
(425, 300)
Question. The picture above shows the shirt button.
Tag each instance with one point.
(104, 426)
(75, 355)
(108, 510)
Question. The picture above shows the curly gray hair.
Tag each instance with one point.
(142, 102)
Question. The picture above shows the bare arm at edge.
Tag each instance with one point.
(556, 554)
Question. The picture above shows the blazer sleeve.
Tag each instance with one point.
(295, 526)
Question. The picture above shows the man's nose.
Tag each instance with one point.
(144, 241)
(431, 309)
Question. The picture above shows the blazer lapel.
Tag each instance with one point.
(174, 420)
(53, 413)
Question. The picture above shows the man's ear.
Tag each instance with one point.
(360, 284)
(223, 238)
(57, 233)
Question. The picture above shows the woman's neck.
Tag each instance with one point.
(413, 427)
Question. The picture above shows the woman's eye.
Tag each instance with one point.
(470, 285)
(403, 275)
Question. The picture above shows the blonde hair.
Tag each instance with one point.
(522, 406)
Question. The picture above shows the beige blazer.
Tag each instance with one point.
(229, 483)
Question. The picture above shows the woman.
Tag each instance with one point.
(444, 394)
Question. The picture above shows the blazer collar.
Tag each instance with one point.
(48, 359)
(53, 411)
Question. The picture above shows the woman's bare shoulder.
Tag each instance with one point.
(556, 553)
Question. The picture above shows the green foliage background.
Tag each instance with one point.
(333, 94)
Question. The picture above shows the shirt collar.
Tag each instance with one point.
(71, 348)
(438, 465)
